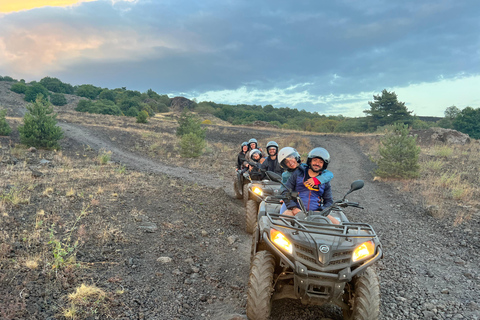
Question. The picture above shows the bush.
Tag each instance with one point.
(84, 105)
(19, 87)
(58, 99)
(6, 78)
(142, 117)
(33, 91)
(88, 91)
(207, 121)
(398, 154)
(132, 112)
(162, 108)
(4, 126)
(191, 145)
(55, 85)
(39, 128)
(188, 123)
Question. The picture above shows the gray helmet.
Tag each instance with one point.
(245, 144)
(319, 153)
(255, 151)
(273, 144)
(253, 141)
(288, 152)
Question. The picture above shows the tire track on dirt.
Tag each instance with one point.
(137, 162)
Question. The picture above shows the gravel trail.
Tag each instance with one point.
(430, 269)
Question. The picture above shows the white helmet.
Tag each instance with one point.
(288, 152)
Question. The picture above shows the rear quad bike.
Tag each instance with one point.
(239, 182)
(306, 257)
(258, 190)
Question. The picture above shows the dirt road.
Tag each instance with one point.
(430, 269)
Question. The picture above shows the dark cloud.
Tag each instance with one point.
(340, 47)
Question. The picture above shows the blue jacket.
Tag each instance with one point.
(324, 177)
(312, 199)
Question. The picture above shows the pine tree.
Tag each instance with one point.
(398, 154)
(386, 110)
(4, 126)
(39, 128)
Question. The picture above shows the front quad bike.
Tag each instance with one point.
(307, 257)
(258, 190)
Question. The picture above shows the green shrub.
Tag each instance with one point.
(132, 112)
(55, 85)
(398, 154)
(58, 99)
(191, 145)
(188, 123)
(88, 91)
(142, 117)
(33, 91)
(148, 109)
(6, 78)
(84, 105)
(39, 128)
(162, 108)
(4, 126)
(19, 87)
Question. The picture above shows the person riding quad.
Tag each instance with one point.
(289, 160)
(253, 144)
(271, 161)
(241, 155)
(315, 197)
(254, 170)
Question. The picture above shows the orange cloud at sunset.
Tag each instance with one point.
(9, 6)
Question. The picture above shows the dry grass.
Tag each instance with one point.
(449, 181)
(87, 301)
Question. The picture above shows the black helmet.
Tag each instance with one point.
(319, 153)
(255, 151)
(272, 144)
(253, 141)
(288, 152)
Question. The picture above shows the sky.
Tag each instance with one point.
(329, 57)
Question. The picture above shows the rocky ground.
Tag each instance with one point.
(168, 242)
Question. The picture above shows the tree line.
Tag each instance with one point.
(385, 109)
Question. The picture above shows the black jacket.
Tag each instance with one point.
(240, 160)
(272, 165)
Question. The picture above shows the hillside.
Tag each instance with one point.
(163, 236)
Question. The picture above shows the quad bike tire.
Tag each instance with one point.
(362, 295)
(238, 194)
(260, 286)
(245, 194)
(251, 212)
(256, 247)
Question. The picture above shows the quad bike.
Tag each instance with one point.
(306, 257)
(241, 179)
(258, 190)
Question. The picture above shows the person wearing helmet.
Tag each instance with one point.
(253, 144)
(289, 160)
(257, 160)
(271, 161)
(241, 155)
(315, 197)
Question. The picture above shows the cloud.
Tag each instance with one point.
(10, 6)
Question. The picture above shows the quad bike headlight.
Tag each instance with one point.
(258, 191)
(365, 250)
(280, 240)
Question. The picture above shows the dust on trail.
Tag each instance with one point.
(137, 162)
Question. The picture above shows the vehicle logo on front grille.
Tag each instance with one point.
(324, 248)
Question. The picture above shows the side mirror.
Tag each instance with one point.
(273, 176)
(356, 185)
